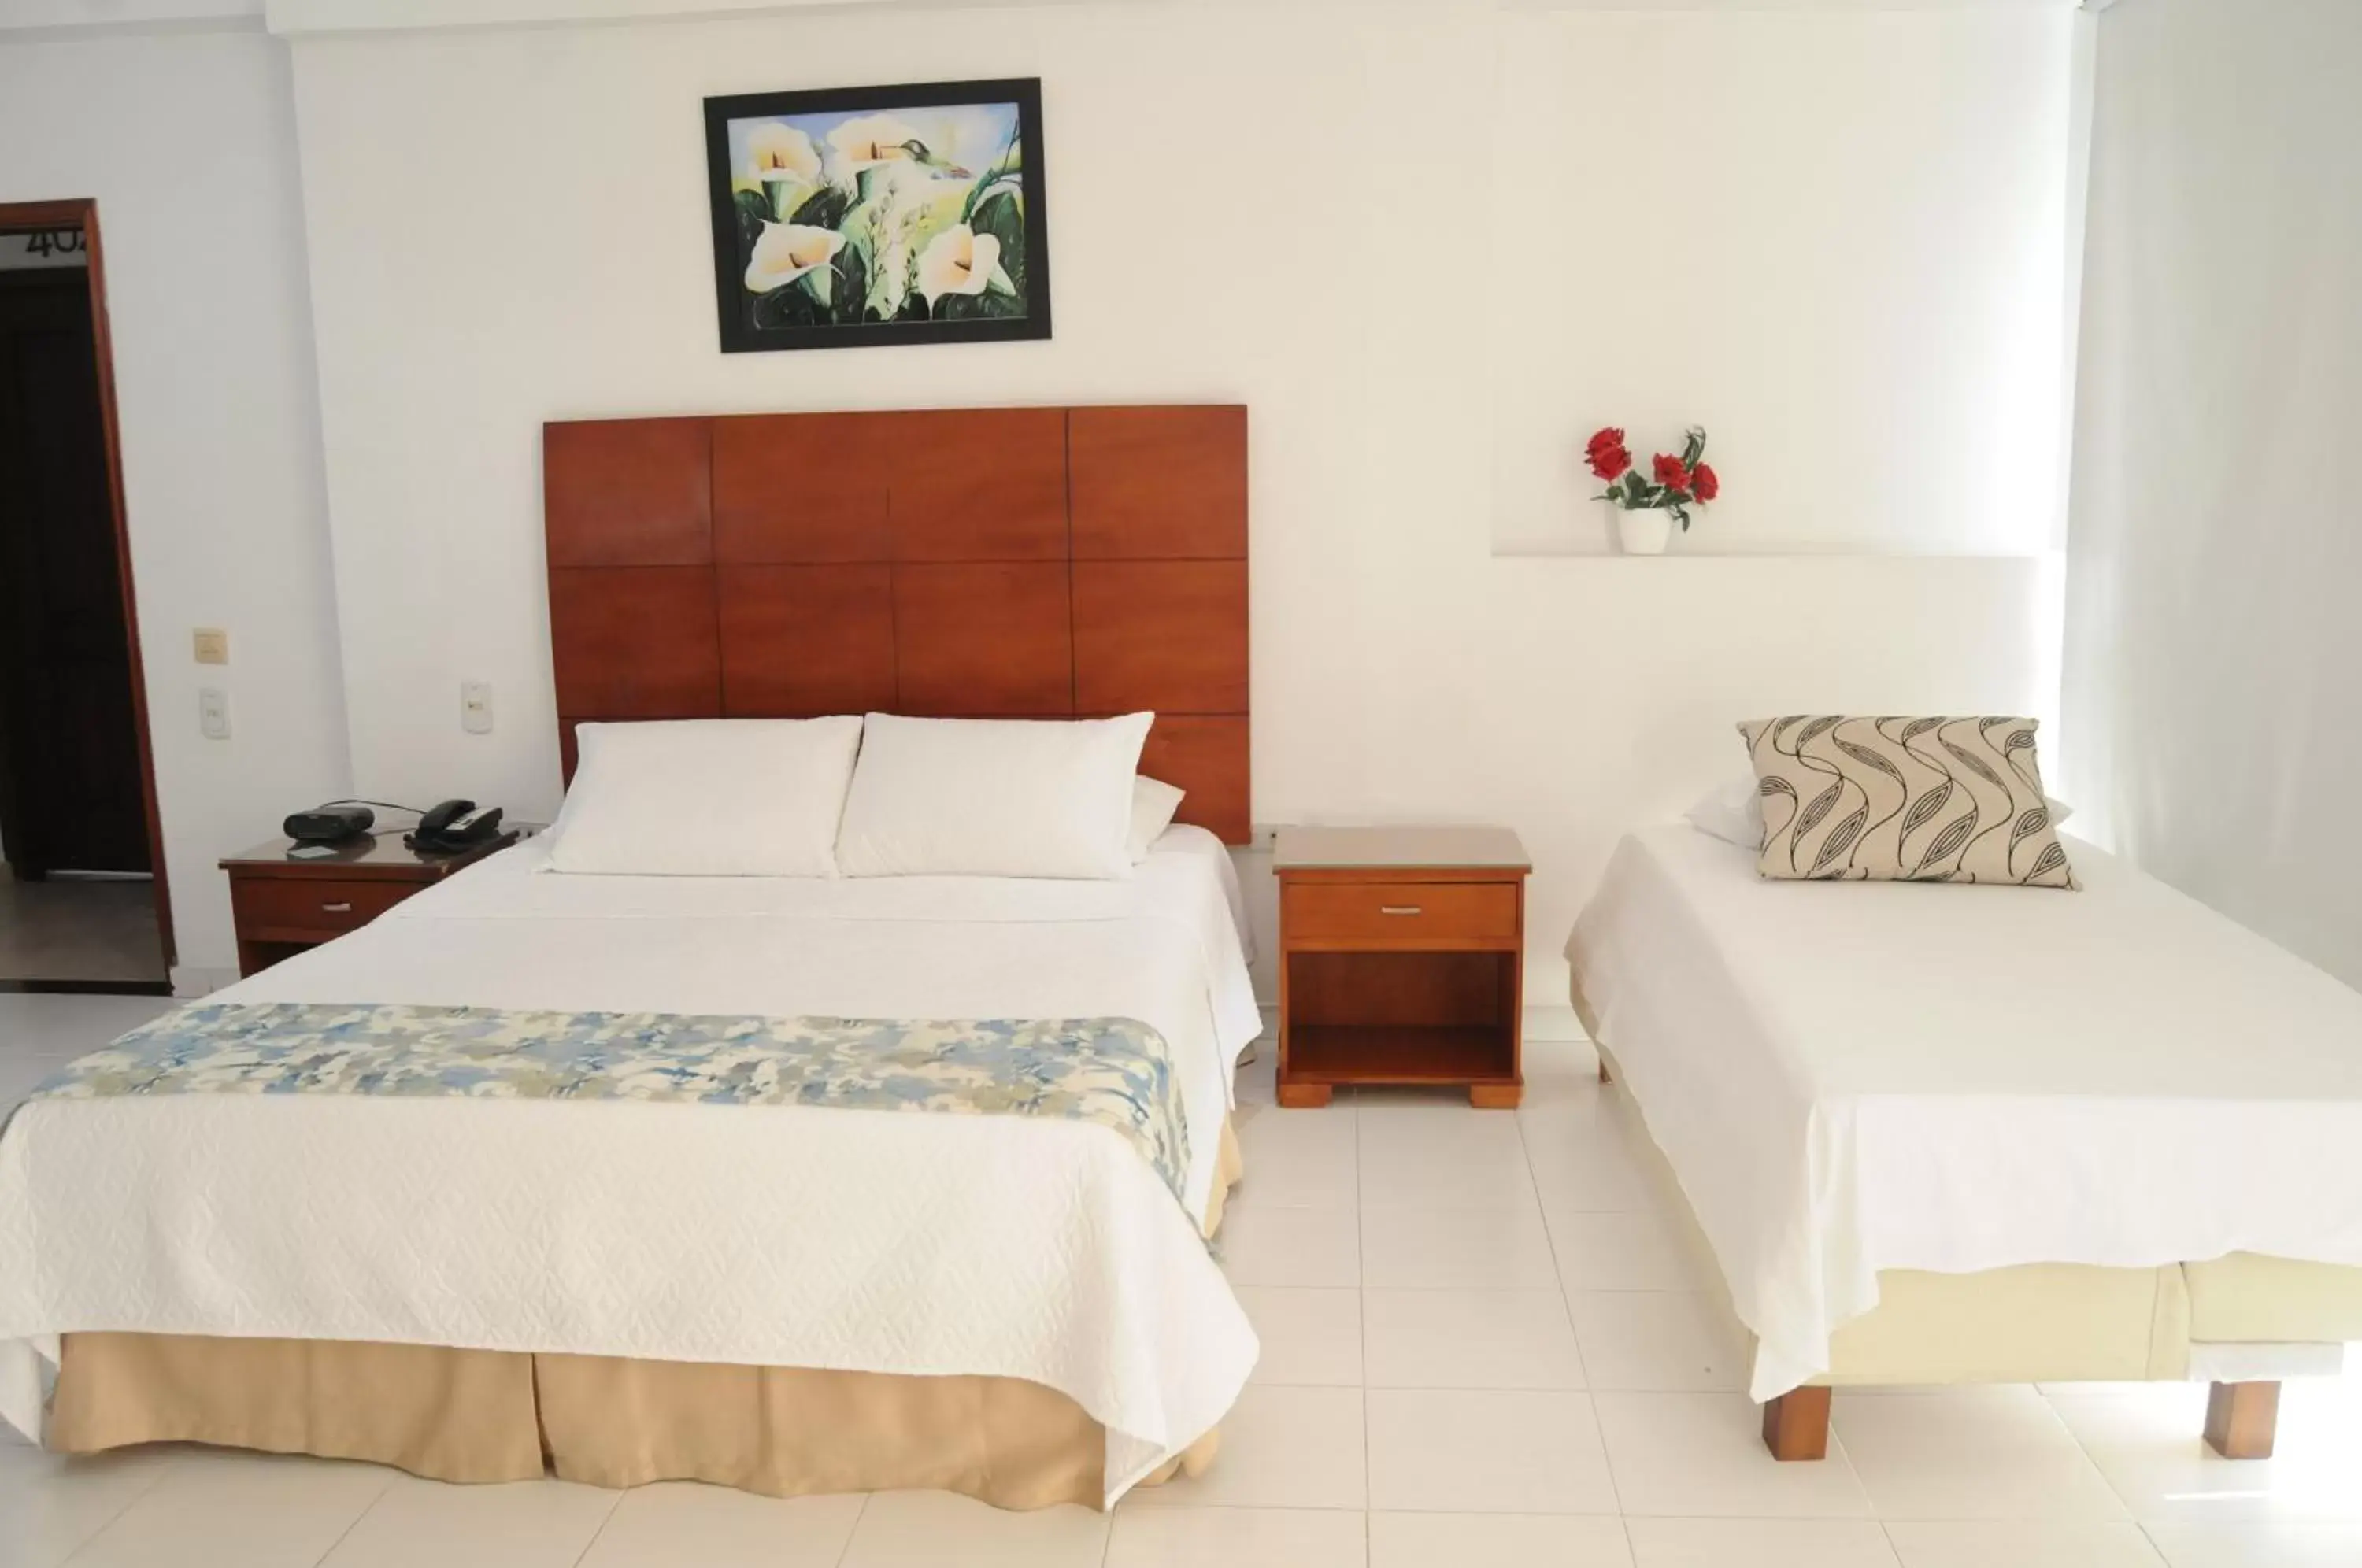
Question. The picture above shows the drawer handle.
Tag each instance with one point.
(1398, 908)
(345, 908)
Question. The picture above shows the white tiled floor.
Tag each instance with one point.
(1483, 1347)
(40, 1032)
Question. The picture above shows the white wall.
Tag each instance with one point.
(1282, 206)
(2215, 549)
(91, 15)
(1837, 240)
(186, 141)
(297, 17)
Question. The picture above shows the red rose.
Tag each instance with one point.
(1609, 461)
(1609, 439)
(1703, 484)
(1671, 473)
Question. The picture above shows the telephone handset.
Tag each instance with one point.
(454, 827)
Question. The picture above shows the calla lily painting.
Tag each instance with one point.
(879, 214)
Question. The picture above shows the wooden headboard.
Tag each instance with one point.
(975, 563)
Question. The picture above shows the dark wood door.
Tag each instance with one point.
(69, 774)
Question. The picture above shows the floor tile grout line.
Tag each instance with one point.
(615, 1501)
(2089, 1457)
(1558, 1268)
(355, 1522)
(861, 1514)
(855, 1529)
(1362, 1309)
(1364, 1394)
(1169, 1505)
(163, 1473)
(1590, 1396)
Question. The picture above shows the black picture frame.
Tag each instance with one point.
(798, 320)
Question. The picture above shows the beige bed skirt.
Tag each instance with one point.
(489, 1416)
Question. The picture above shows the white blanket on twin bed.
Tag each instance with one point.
(1854, 1076)
(780, 1235)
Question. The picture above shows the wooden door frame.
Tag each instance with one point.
(82, 213)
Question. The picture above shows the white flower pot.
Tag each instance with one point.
(1645, 532)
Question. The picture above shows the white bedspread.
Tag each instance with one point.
(1855, 1077)
(760, 1235)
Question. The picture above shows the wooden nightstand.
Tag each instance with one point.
(284, 906)
(1401, 960)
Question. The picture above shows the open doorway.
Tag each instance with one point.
(83, 903)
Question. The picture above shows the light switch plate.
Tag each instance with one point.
(476, 707)
(212, 712)
(212, 646)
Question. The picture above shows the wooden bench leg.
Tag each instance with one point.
(1796, 1424)
(2241, 1418)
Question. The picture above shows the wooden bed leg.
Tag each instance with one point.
(2241, 1418)
(1304, 1096)
(1796, 1424)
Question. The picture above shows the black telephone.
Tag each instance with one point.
(454, 827)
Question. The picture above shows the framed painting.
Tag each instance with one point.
(855, 216)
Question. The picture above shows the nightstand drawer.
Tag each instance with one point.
(1422, 912)
(295, 909)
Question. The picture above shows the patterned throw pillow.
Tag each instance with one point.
(1901, 800)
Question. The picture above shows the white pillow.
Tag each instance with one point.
(1153, 802)
(707, 797)
(1734, 813)
(992, 798)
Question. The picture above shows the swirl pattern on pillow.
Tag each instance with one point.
(1904, 799)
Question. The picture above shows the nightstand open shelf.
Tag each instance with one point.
(1401, 961)
(1400, 1053)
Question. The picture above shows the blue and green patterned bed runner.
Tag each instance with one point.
(1113, 1071)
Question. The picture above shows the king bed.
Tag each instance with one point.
(1940, 1135)
(923, 1266)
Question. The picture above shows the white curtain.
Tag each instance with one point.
(2213, 677)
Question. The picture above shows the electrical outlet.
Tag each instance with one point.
(212, 712)
(476, 707)
(213, 646)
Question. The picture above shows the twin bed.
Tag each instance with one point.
(1941, 1134)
